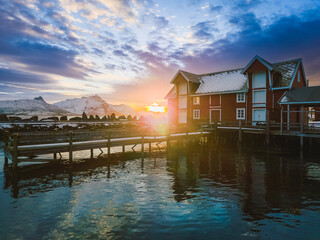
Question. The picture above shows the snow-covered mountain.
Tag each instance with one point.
(94, 105)
(30, 107)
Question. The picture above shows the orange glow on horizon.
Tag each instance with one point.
(156, 108)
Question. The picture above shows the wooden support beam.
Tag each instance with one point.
(15, 151)
(288, 117)
(168, 138)
(150, 147)
(142, 142)
(267, 127)
(70, 147)
(6, 144)
(281, 121)
(54, 156)
(109, 143)
(91, 153)
(240, 131)
(123, 148)
(301, 118)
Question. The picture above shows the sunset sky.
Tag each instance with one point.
(128, 51)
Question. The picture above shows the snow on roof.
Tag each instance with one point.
(226, 81)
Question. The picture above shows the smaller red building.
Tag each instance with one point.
(232, 95)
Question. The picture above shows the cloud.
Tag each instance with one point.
(203, 30)
(120, 53)
(12, 76)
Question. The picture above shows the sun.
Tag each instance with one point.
(154, 107)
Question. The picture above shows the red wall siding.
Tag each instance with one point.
(297, 84)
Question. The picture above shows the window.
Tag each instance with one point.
(298, 76)
(241, 97)
(196, 114)
(182, 102)
(182, 116)
(259, 98)
(241, 114)
(183, 88)
(259, 80)
(196, 100)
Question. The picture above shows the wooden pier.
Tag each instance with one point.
(24, 147)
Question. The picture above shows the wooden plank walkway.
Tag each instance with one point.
(13, 150)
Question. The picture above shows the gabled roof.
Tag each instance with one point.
(264, 62)
(222, 82)
(172, 93)
(288, 71)
(304, 95)
(235, 81)
(191, 77)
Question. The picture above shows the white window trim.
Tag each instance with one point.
(254, 122)
(244, 114)
(298, 76)
(214, 110)
(265, 85)
(195, 103)
(259, 104)
(244, 98)
(194, 111)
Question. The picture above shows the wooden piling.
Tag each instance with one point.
(91, 153)
(267, 127)
(54, 156)
(6, 144)
(149, 147)
(15, 151)
(70, 147)
(109, 143)
(240, 131)
(142, 142)
(168, 138)
(123, 148)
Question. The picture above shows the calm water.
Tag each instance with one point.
(194, 194)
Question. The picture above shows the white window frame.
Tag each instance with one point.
(237, 113)
(254, 104)
(210, 114)
(298, 76)
(254, 80)
(184, 120)
(195, 102)
(196, 114)
(183, 102)
(241, 100)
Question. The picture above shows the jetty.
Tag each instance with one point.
(26, 146)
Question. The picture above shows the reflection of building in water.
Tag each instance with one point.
(264, 184)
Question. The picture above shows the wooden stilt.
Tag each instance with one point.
(109, 143)
(142, 143)
(91, 153)
(267, 127)
(123, 148)
(240, 131)
(149, 147)
(6, 143)
(15, 151)
(70, 148)
(54, 156)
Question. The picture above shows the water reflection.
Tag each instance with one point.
(194, 192)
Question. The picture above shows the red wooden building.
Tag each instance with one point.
(232, 95)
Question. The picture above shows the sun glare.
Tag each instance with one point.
(154, 107)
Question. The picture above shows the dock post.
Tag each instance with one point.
(201, 136)
(267, 127)
(109, 143)
(123, 148)
(142, 142)
(168, 138)
(70, 147)
(91, 153)
(240, 131)
(301, 132)
(187, 136)
(6, 144)
(54, 156)
(281, 121)
(150, 147)
(15, 151)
